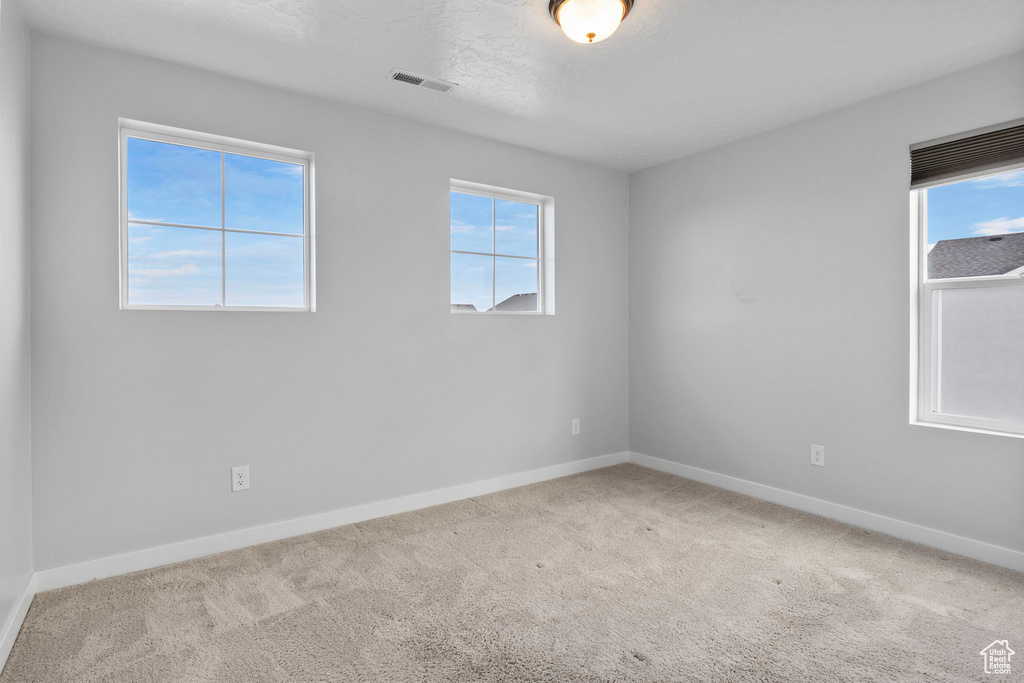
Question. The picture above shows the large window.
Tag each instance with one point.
(970, 224)
(497, 251)
(213, 224)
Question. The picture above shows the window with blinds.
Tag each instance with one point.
(968, 197)
(977, 152)
(968, 203)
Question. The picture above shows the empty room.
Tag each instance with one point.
(511, 341)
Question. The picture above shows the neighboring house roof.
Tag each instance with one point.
(518, 302)
(972, 256)
(463, 307)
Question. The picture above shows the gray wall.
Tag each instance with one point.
(770, 308)
(768, 303)
(15, 417)
(381, 393)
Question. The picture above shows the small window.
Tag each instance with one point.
(210, 223)
(498, 251)
(971, 299)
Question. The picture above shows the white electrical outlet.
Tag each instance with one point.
(817, 455)
(239, 478)
(576, 427)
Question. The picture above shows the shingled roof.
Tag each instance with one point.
(518, 302)
(973, 256)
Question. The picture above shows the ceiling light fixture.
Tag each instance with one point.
(589, 21)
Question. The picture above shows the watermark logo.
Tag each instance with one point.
(997, 657)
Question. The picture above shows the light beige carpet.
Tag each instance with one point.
(620, 574)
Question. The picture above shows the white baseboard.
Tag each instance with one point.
(978, 550)
(9, 631)
(70, 575)
(59, 577)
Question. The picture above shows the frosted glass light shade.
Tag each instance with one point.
(590, 21)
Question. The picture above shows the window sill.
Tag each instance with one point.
(498, 313)
(220, 309)
(962, 428)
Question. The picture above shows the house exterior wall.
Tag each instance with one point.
(982, 364)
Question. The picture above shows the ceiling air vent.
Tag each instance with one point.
(421, 81)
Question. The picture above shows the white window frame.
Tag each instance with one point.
(923, 384)
(545, 245)
(216, 143)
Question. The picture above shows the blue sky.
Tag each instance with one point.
(992, 205)
(182, 266)
(493, 227)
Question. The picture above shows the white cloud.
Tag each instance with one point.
(502, 226)
(460, 228)
(1011, 179)
(187, 269)
(136, 238)
(136, 217)
(186, 253)
(999, 226)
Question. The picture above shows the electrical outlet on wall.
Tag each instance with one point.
(575, 427)
(817, 455)
(239, 478)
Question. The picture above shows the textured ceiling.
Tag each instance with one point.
(679, 76)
